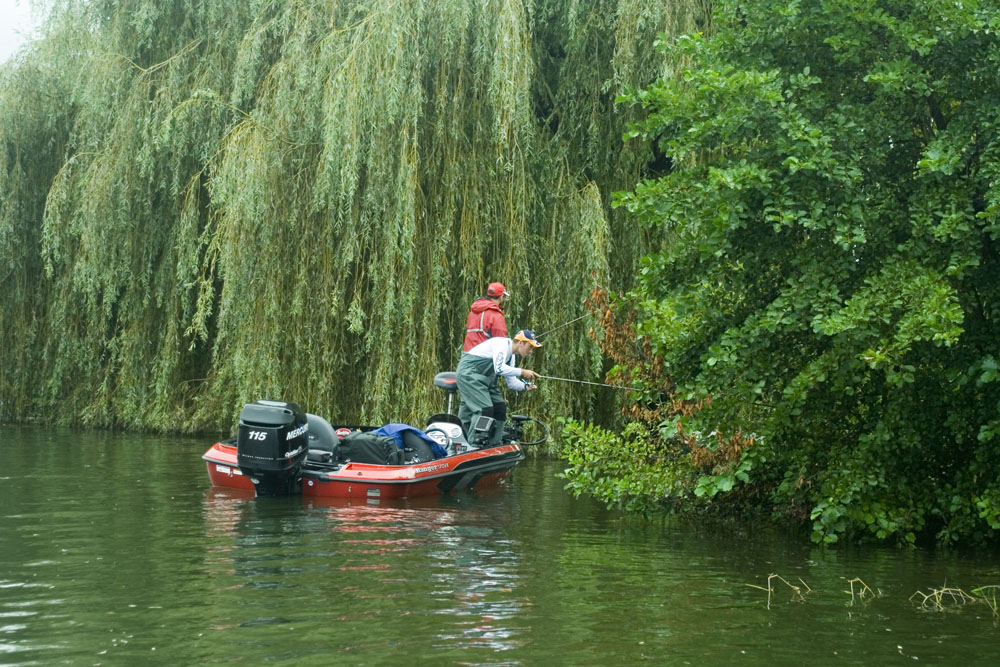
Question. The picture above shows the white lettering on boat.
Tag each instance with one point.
(430, 468)
(297, 432)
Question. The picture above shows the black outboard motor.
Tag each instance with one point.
(272, 443)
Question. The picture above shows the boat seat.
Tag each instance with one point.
(444, 417)
(321, 434)
(447, 380)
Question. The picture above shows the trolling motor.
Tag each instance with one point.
(514, 431)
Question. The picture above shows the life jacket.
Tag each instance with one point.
(485, 321)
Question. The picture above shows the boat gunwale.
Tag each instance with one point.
(464, 463)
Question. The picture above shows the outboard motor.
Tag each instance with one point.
(271, 444)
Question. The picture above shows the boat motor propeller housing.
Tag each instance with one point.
(271, 444)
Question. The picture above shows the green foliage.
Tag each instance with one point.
(636, 470)
(203, 203)
(831, 221)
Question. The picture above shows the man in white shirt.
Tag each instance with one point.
(477, 381)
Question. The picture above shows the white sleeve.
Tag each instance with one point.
(514, 380)
(501, 366)
(517, 384)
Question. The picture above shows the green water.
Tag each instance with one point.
(114, 550)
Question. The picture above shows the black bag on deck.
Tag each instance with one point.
(415, 448)
(370, 448)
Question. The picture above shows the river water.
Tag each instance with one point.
(115, 550)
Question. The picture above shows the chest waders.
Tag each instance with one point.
(477, 386)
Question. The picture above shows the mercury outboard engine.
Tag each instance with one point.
(272, 443)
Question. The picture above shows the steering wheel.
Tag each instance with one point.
(440, 437)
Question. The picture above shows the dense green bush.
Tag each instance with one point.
(635, 470)
(830, 276)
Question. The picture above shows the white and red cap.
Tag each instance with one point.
(496, 289)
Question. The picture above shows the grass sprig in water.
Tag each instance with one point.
(860, 591)
(988, 596)
(797, 593)
(940, 599)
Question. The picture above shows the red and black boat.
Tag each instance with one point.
(280, 450)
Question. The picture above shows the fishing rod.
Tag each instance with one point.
(596, 384)
(565, 324)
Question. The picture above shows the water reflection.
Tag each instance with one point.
(370, 555)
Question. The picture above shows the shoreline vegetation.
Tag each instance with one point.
(818, 331)
(781, 220)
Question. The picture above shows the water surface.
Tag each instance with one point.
(114, 549)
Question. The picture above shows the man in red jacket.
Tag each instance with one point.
(486, 319)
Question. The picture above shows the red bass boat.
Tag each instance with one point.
(280, 450)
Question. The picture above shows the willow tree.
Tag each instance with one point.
(211, 203)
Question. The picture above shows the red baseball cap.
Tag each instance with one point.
(496, 289)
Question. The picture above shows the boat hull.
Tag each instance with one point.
(479, 468)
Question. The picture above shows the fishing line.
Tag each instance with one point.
(565, 324)
(596, 384)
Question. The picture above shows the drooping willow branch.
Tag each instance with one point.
(300, 199)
